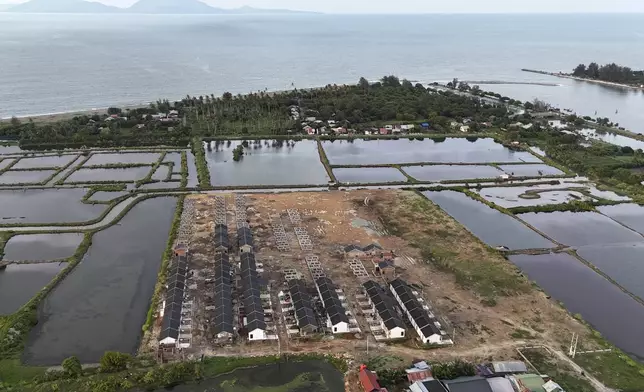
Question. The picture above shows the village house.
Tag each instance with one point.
(337, 319)
(384, 131)
(245, 240)
(384, 311)
(309, 130)
(369, 380)
(465, 128)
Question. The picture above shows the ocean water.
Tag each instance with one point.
(57, 63)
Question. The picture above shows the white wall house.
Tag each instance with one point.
(257, 334)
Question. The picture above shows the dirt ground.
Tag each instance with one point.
(336, 219)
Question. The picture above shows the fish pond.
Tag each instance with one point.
(193, 178)
(46, 206)
(106, 196)
(613, 138)
(51, 161)
(449, 150)
(36, 247)
(435, 173)
(20, 282)
(306, 376)
(522, 196)
(175, 158)
(267, 162)
(580, 228)
(372, 175)
(123, 158)
(102, 304)
(161, 173)
(26, 177)
(623, 263)
(630, 215)
(616, 315)
(129, 174)
(538, 151)
(4, 163)
(479, 219)
(531, 170)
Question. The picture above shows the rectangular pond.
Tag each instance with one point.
(102, 304)
(435, 173)
(538, 151)
(489, 225)
(129, 174)
(123, 158)
(25, 177)
(20, 282)
(531, 170)
(193, 177)
(523, 196)
(175, 158)
(267, 162)
(450, 150)
(161, 173)
(580, 228)
(630, 215)
(616, 315)
(623, 263)
(51, 161)
(46, 206)
(613, 138)
(106, 196)
(4, 163)
(37, 247)
(369, 175)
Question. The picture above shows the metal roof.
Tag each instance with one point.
(221, 227)
(244, 236)
(509, 367)
(302, 304)
(251, 291)
(332, 303)
(384, 305)
(221, 240)
(409, 301)
(222, 299)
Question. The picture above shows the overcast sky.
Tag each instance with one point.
(423, 6)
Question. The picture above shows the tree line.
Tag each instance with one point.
(609, 73)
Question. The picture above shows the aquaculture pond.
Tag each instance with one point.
(489, 225)
(451, 172)
(175, 158)
(193, 177)
(538, 151)
(616, 315)
(613, 138)
(129, 174)
(46, 206)
(623, 263)
(367, 175)
(12, 149)
(20, 282)
(51, 161)
(37, 247)
(307, 376)
(450, 150)
(4, 163)
(106, 196)
(531, 170)
(25, 177)
(102, 304)
(630, 215)
(580, 228)
(161, 173)
(267, 162)
(521, 196)
(123, 158)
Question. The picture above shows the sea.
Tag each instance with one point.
(60, 63)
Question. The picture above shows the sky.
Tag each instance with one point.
(423, 6)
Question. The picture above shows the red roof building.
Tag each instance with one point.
(369, 380)
(384, 131)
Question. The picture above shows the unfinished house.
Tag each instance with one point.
(337, 319)
(384, 311)
(175, 325)
(223, 299)
(423, 321)
(221, 239)
(245, 240)
(302, 307)
(254, 323)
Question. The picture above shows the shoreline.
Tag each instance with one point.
(569, 76)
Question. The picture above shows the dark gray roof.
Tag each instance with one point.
(332, 303)
(220, 239)
(251, 291)
(371, 247)
(350, 248)
(171, 321)
(367, 248)
(244, 236)
(302, 304)
(221, 227)
(434, 386)
(384, 305)
(468, 384)
(415, 309)
(248, 262)
(222, 299)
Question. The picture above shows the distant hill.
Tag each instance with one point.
(140, 7)
(64, 6)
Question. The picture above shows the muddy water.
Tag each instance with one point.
(18, 283)
(451, 150)
(308, 376)
(616, 315)
(102, 304)
(37, 247)
(580, 228)
(267, 163)
(488, 224)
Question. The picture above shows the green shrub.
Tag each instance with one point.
(113, 361)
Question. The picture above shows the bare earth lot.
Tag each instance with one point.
(481, 307)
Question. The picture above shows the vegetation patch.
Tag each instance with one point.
(200, 161)
(561, 372)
